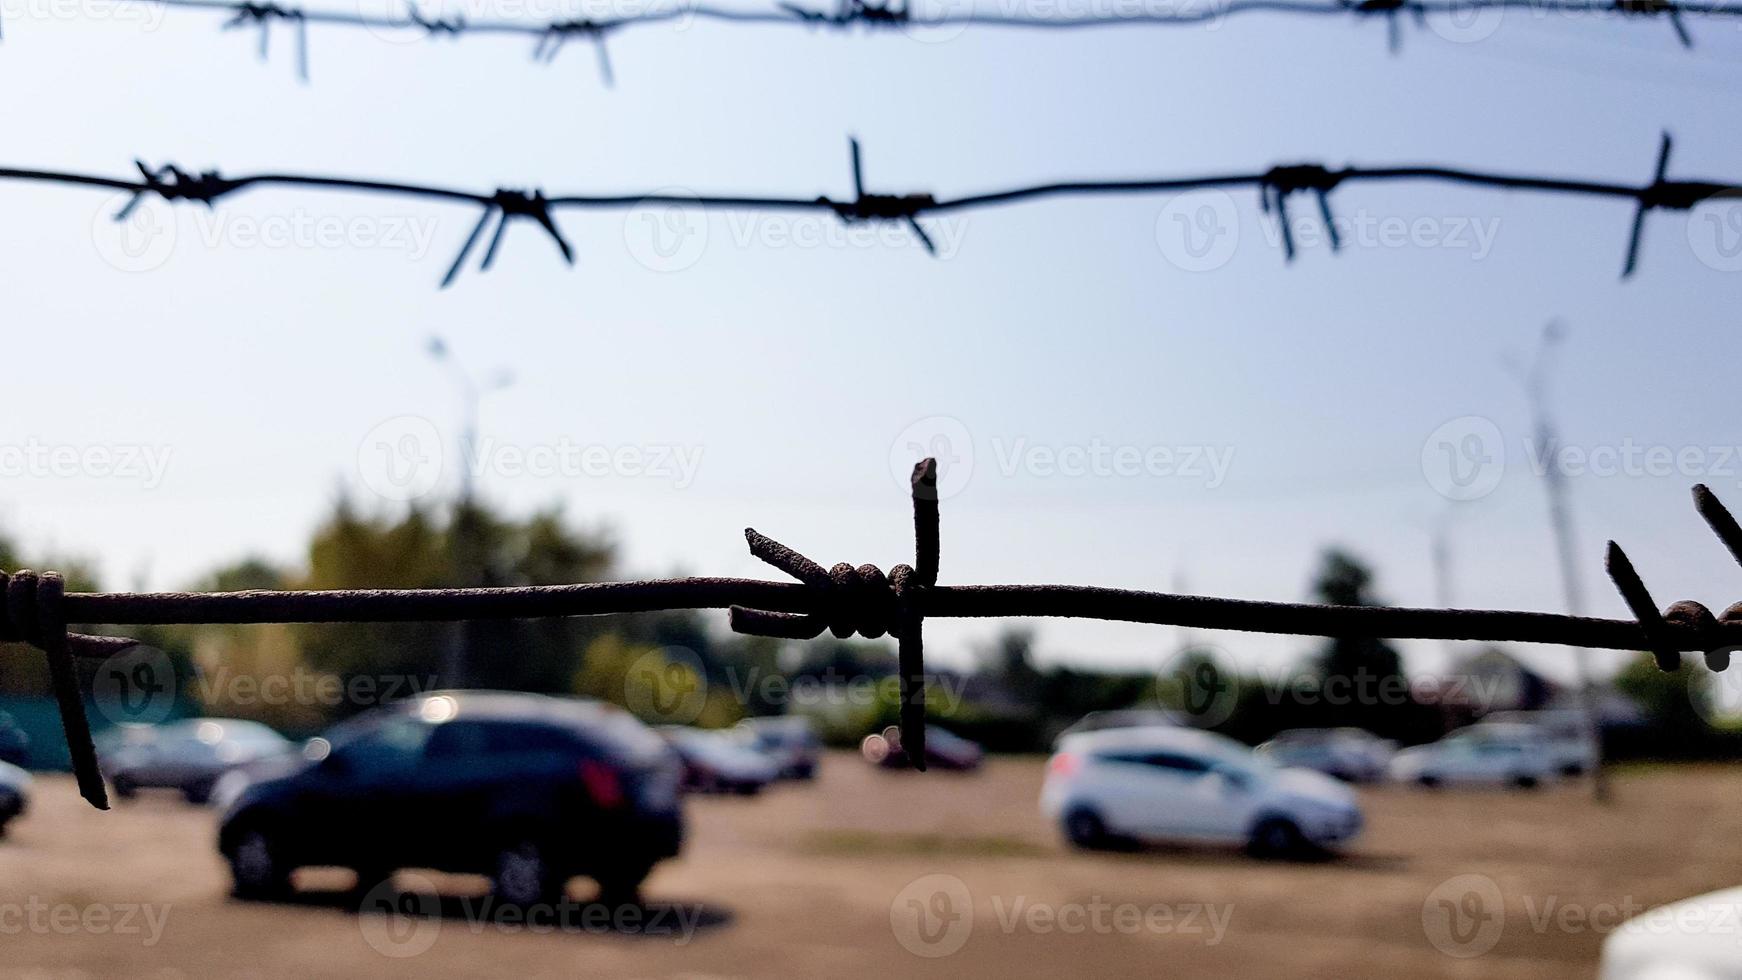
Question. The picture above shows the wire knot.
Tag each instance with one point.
(503, 206)
(34, 612)
(172, 183)
(263, 12)
(854, 12)
(558, 33)
(451, 26)
(1279, 182)
(1685, 625)
(262, 15)
(847, 600)
(881, 207)
(21, 612)
(1654, 8)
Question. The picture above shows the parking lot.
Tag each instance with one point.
(876, 873)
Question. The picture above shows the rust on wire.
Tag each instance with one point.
(1275, 185)
(845, 599)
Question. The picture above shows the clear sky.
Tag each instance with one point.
(272, 353)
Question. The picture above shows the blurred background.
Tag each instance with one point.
(1459, 407)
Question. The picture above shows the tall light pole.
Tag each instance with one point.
(471, 393)
(1560, 516)
(457, 654)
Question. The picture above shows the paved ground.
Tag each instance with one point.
(870, 873)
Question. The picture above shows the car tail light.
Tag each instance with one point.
(602, 784)
(1064, 764)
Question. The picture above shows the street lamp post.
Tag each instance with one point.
(1561, 519)
(457, 655)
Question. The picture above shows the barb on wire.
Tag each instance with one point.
(504, 206)
(1656, 8)
(1669, 195)
(899, 14)
(262, 15)
(881, 207)
(1389, 9)
(1275, 186)
(1279, 182)
(845, 599)
(451, 27)
(847, 12)
(558, 33)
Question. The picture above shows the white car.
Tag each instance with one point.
(14, 793)
(1350, 754)
(1564, 734)
(1181, 784)
(715, 762)
(1481, 755)
(1693, 939)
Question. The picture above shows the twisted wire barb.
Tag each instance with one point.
(845, 599)
(547, 36)
(1275, 186)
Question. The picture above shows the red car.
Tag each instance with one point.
(943, 750)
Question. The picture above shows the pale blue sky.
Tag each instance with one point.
(261, 370)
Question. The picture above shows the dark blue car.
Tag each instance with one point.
(526, 789)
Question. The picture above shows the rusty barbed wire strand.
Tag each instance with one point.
(551, 35)
(1275, 186)
(845, 600)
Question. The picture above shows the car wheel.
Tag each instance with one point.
(257, 867)
(524, 876)
(1277, 837)
(1084, 828)
(1572, 770)
(1525, 781)
(1428, 780)
(198, 793)
(621, 886)
(125, 788)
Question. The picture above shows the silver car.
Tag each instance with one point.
(14, 793)
(189, 756)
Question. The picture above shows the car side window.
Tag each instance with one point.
(513, 739)
(392, 750)
(454, 740)
(1182, 765)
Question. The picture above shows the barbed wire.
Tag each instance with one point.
(1275, 185)
(844, 600)
(550, 36)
